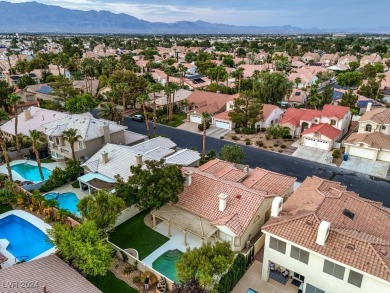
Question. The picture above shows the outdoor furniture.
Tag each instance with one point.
(285, 273)
(272, 266)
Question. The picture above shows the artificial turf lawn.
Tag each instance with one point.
(110, 284)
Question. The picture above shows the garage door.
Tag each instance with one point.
(196, 119)
(361, 152)
(222, 124)
(310, 142)
(323, 145)
(384, 156)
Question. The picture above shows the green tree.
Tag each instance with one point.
(327, 95)
(247, 110)
(272, 88)
(370, 89)
(25, 80)
(37, 139)
(14, 100)
(353, 65)
(278, 131)
(368, 71)
(205, 264)
(143, 99)
(349, 99)
(5, 91)
(71, 136)
(109, 111)
(232, 153)
(102, 208)
(80, 103)
(350, 79)
(191, 286)
(155, 88)
(151, 187)
(3, 117)
(205, 119)
(63, 89)
(83, 247)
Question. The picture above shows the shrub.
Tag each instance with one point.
(125, 258)
(283, 146)
(276, 144)
(248, 143)
(267, 137)
(259, 143)
(222, 137)
(336, 154)
(200, 126)
(263, 129)
(248, 131)
(265, 146)
(235, 137)
(128, 270)
(237, 130)
(137, 279)
(289, 136)
(233, 275)
(280, 151)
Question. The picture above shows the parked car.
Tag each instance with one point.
(138, 118)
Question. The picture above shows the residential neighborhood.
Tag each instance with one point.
(194, 163)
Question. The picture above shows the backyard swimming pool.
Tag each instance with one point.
(30, 172)
(166, 264)
(26, 241)
(67, 201)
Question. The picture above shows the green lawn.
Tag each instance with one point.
(109, 284)
(135, 234)
(47, 160)
(5, 208)
(177, 119)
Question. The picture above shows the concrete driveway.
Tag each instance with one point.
(189, 126)
(313, 154)
(370, 167)
(216, 132)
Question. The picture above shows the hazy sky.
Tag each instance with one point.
(302, 13)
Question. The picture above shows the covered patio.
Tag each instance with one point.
(92, 182)
(186, 222)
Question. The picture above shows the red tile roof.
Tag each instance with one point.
(267, 110)
(224, 170)
(376, 140)
(223, 116)
(319, 200)
(202, 98)
(324, 129)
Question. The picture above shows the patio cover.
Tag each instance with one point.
(90, 176)
(184, 220)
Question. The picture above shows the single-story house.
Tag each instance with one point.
(321, 136)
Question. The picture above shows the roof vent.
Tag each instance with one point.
(238, 196)
(309, 222)
(348, 214)
(323, 232)
(383, 252)
(350, 246)
(276, 207)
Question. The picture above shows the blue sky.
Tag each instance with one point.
(302, 13)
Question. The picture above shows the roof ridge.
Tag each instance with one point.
(295, 218)
(380, 258)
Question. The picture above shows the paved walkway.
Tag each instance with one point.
(370, 167)
(252, 279)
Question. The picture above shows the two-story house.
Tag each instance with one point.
(311, 57)
(327, 239)
(305, 77)
(344, 61)
(329, 59)
(370, 59)
(318, 128)
(372, 141)
(93, 135)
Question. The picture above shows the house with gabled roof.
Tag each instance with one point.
(224, 201)
(325, 238)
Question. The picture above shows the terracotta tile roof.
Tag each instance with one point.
(380, 116)
(296, 96)
(324, 129)
(202, 98)
(376, 140)
(223, 116)
(367, 233)
(224, 170)
(267, 110)
(49, 271)
(334, 111)
(202, 198)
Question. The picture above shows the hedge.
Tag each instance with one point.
(234, 274)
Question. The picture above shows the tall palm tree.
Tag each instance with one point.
(142, 99)
(155, 88)
(3, 117)
(168, 93)
(71, 136)
(174, 87)
(109, 111)
(182, 70)
(381, 77)
(37, 139)
(205, 117)
(14, 100)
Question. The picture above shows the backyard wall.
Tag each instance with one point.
(15, 154)
(126, 214)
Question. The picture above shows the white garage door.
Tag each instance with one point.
(361, 152)
(222, 124)
(196, 119)
(310, 142)
(323, 145)
(384, 156)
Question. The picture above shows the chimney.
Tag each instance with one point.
(276, 207)
(27, 115)
(138, 158)
(246, 169)
(104, 157)
(188, 177)
(106, 133)
(369, 105)
(323, 232)
(222, 201)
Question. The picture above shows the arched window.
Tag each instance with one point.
(368, 128)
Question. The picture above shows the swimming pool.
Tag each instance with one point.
(30, 172)
(166, 264)
(67, 201)
(251, 291)
(26, 241)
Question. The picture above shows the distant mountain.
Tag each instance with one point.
(35, 17)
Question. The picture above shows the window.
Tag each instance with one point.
(332, 122)
(80, 145)
(277, 245)
(334, 269)
(355, 278)
(383, 127)
(312, 289)
(368, 128)
(57, 141)
(299, 254)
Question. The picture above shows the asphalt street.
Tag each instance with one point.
(367, 186)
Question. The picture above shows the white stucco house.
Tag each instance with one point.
(327, 239)
(372, 141)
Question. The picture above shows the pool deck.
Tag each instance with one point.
(176, 241)
(69, 188)
(41, 225)
(16, 176)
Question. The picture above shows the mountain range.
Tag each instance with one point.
(33, 17)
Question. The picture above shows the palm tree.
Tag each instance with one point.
(3, 117)
(142, 99)
(155, 88)
(168, 93)
(174, 87)
(381, 77)
(37, 139)
(205, 117)
(109, 111)
(297, 80)
(71, 136)
(14, 100)
(182, 70)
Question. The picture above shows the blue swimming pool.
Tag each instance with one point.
(67, 201)
(30, 172)
(25, 240)
(166, 264)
